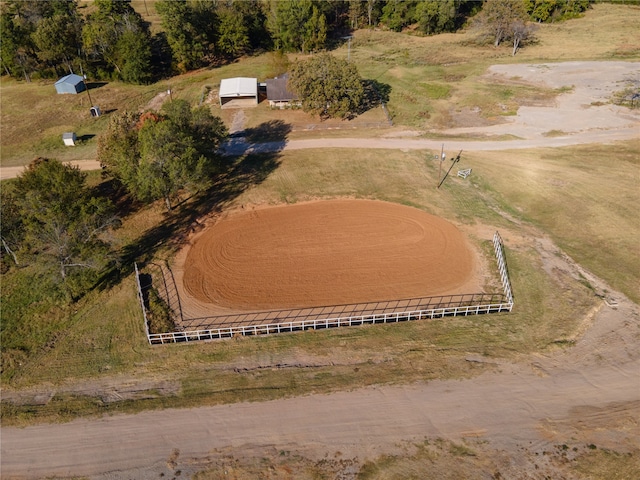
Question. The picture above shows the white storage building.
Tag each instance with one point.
(238, 92)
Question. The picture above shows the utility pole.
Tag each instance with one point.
(442, 158)
(86, 87)
(454, 161)
(348, 46)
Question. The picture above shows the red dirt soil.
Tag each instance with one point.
(325, 253)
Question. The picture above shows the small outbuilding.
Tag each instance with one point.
(278, 95)
(238, 92)
(71, 84)
(69, 139)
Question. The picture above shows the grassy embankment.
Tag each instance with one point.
(101, 337)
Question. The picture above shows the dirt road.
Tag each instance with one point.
(586, 394)
(13, 172)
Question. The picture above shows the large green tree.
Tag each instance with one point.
(233, 33)
(499, 18)
(17, 23)
(327, 86)
(397, 14)
(157, 155)
(553, 10)
(191, 31)
(436, 16)
(62, 223)
(297, 25)
(58, 39)
(11, 227)
(118, 36)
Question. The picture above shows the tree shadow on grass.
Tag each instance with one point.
(242, 173)
(124, 203)
(271, 131)
(375, 94)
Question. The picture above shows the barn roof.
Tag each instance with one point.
(71, 79)
(239, 87)
(277, 89)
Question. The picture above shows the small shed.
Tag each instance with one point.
(70, 84)
(238, 92)
(279, 95)
(69, 139)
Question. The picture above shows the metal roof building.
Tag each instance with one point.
(238, 92)
(278, 94)
(70, 84)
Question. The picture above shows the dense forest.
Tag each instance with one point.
(109, 40)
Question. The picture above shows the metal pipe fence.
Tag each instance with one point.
(301, 325)
(502, 266)
(316, 318)
(141, 298)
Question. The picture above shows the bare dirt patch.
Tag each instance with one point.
(584, 103)
(325, 253)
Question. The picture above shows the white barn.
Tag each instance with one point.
(238, 92)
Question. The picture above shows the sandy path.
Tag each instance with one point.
(13, 172)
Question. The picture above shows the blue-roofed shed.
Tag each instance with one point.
(70, 84)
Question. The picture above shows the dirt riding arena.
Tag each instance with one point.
(322, 253)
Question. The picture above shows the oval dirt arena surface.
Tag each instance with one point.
(326, 253)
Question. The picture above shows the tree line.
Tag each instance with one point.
(108, 39)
